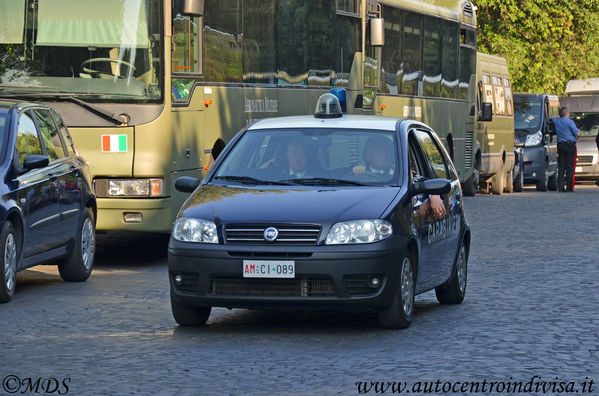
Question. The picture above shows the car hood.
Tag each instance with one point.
(223, 204)
(586, 145)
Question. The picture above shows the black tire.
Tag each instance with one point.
(9, 249)
(189, 315)
(400, 313)
(509, 182)
(519, 182)
(552, 182)
(78, 265)
(470, 186)
(543, 182)
(454, 291)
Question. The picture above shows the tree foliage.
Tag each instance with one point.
(546, 42)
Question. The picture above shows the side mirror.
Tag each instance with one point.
(487, 112)
(377, 32)
(192, 8)
(187, 184)
(432, 187)
(35, 162)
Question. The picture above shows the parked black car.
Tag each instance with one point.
(47, 207)
(329, 211)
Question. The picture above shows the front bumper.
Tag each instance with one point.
(587, 167)
(534, 163)
(157, 214)
(325, 276)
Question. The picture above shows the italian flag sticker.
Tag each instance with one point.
(114, 143)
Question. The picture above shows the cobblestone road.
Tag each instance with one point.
(531, 309)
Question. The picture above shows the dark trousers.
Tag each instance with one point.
(567, 155)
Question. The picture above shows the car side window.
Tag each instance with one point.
(66, 136)
(28, 142)
(433, 154)
(417, 170)
(49, 134)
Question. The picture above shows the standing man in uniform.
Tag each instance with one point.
(567, 133)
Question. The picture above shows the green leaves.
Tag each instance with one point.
(546, 42)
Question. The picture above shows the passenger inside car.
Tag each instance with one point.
(378, 156)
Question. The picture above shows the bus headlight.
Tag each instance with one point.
(360, 231)
(534, 139)
(195, 230)
(130, 188)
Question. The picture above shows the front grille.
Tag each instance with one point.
(304, 287)
(288, 235)
(585, 160)
(468, 149)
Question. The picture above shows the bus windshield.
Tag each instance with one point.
(528, 115)
(109, 50)
(588, 123)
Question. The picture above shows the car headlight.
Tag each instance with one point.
(534, 139)
(130, 188)
(360, 231)
(195, 230)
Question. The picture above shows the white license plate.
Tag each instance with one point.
(268, 269)
(578, 169)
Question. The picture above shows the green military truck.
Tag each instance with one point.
(493, 144)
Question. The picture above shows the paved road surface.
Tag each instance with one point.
(531, 309)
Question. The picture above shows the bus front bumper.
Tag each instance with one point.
(124, 215)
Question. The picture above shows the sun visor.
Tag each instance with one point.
(12, 21)
(105, 23)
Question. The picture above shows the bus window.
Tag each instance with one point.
(449, 83)
(431, 79)
(259, 42)
(223, 46)
(499, 95)
(391, 60)
(186, 54)
(411, 66)
(467, 61)
(348, 38)
(509, 100)
(488, 89)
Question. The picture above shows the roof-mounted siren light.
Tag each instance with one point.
(192, 8)
(341, 94)
(328, 106)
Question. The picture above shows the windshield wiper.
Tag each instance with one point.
(323, 181)
(118, 119)
(251, 180)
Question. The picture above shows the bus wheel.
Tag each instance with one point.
(498, 182)
(471, 185)
(509, 182)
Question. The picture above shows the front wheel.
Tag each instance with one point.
(498, 182)
(543, 182)
(9, 260)
(552, 182)
(189, 315)
(77, 266)
(470, 186)
(519, 182)
(455, 290)
(400, 313)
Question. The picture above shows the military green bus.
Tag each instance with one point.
(152, 89)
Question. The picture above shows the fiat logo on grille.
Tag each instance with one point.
(271, 234)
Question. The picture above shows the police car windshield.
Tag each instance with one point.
(317, 157)
(527, 115)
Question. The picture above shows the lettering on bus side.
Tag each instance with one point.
(261, 105)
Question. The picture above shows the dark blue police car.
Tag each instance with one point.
(324, 211)
(47, 207)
